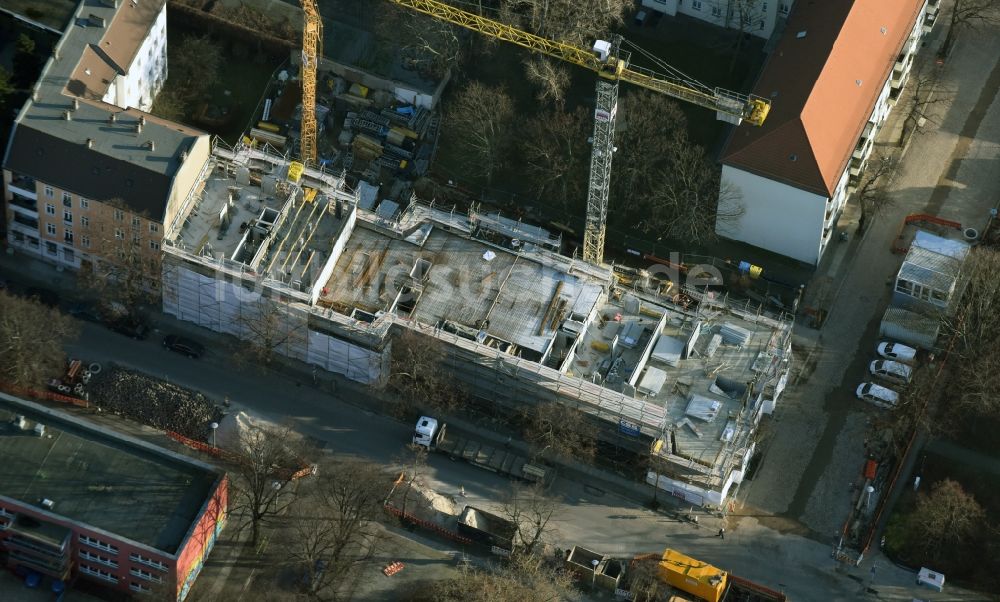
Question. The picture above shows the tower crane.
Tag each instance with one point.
(312, 49)
(612, 65)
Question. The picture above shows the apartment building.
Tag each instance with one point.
(833, 78)
(85, 164)
(78, 502)
(757, 17)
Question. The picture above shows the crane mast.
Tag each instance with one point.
(312, 44)
(612, 66)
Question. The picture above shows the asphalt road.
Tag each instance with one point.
(597, 519)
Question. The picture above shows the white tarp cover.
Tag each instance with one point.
(702, 408)
(668, 350)
(944, 246)
(652, 381)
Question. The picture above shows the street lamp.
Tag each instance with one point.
(870, 490)
(213, 426)
(594, 563)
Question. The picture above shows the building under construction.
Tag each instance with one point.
(274, 251)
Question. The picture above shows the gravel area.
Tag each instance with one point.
(153, 402)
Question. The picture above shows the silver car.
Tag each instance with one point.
(894, 372)
(878, 395)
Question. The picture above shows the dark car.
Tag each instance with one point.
(183, 346)
(43, 296)
(130, 327)
(84, 312)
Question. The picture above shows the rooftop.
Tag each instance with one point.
(823, 79)
(66, 136)
(253, 213)
(99, 478)
(439, 277)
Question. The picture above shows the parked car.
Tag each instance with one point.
(43, 296)
(897, 352)
(130, 327)
(878, 395)
(81, 311)
(179, 344)
(896, 372)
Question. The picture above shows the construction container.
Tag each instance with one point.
(692, 576)
(911, 328)
(358, 90)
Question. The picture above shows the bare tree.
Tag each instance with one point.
(194, 67)
(873, 188)
(122, 268)
(481, 117)
(744, 16)
(557, 157)
(566, 20)
(943, 519)
(335, 527)
(523, 578)
(428, 45)
(557, 429)
(31, 342)
(265, 461)
(550, 77)
(691, 198)
(644, 578)
(419, 375)
(969, 14)
(531, 510)
(414, 463)
(269, 328)
(925, 93)
(649, 126)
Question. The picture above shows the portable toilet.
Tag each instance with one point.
(931, 579)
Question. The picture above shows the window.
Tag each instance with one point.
(67, 200)
(84, 203)
(119, 234)
(154, 245)
(50, 209)
(783, 8)
(97, 543)
(119, 215)
(154, 227)
(84, 221)
(147, 561)
(142, 574)
(696, 4)
(904, 286)
(49, 192)
(87, 554)
(135, 222)
(99, 573)
(763, 7)
(68, 237)
(716, 11)
(85, 241)
(138, 587)
(51, 248)
(51, 229)
(136, 239)
(68, 217)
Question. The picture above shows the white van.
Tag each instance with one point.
(896, 372)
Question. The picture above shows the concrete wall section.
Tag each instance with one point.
(777, 217)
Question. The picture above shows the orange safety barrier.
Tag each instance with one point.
(45, 395)
(428, 525)
(918, 218)
(393, 568)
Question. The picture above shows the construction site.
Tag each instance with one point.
(685, 372)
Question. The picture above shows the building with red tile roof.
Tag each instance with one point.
(832, 79)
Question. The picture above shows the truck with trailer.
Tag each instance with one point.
(436, 436)
(702, 581)
(488, 529)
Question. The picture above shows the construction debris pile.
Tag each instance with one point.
(153, 402)
(424, 503)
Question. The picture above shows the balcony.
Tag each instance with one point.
(864, 145)
(900, 69)
(26, 183)
(25, 202)
(857, 166)
(933, 6)
(51, 567)
(25, 221)
(929, 21)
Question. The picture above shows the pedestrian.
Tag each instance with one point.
(722, 532)
(461, 490)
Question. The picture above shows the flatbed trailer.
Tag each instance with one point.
(490, 457)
